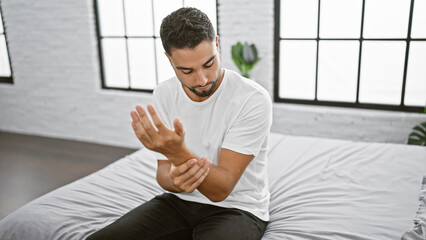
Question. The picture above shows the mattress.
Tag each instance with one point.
(320, 189)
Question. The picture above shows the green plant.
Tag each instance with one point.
(418, 135)
(245, 57)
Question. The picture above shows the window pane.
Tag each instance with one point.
(297, 69)
(207, 6)
(139, 18)
(299, 18)
(111, 17)
(415, 91)
(141, 64)
(382, 68)
(162, 9)
(164, 69)
(4, 59)
(386, 18)
(418, 28)
(338, 70)
(340, 19)
(115, 62)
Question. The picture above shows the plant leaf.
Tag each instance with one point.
(415, 135)
(236, 51)
(417, 139)
(420, 130)
(249, 67)
(254, 49)
(248, 54)
(238, 63)
(414, 142)
(418, 135)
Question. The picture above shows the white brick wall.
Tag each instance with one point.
(57, 89)
(252, 22)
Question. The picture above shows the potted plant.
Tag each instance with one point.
(245, 57)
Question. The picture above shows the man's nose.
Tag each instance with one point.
(201, 79)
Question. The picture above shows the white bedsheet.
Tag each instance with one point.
(320, 189)
(334, 189)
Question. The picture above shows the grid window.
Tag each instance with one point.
(352, 53)
(5, 69)
(131, 54)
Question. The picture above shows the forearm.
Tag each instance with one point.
(218, 184)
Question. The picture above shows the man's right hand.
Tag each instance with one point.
(160, 138)
(189, 175)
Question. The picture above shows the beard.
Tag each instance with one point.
(205, 93)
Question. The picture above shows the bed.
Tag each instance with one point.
(320, 189)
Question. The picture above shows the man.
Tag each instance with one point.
(215, 166)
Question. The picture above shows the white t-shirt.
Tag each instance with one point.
(238, 117)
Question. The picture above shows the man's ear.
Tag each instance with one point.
(217, 43)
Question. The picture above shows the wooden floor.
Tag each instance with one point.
(31, 166)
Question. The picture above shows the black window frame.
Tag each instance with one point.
(4, 79)
(100, 53)
(356, 104)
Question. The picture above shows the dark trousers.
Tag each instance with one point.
(169, 217)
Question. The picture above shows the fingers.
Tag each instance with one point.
(139, 129)
(145, 121)
(179, 174)
(178, 127)
(143, 128)
(192, 172)
(181, 169)
(194, 175)
(155, 117)
(194, 181)
(199, 180)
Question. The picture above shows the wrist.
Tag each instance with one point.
(181, 155)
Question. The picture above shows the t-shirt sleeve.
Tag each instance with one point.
(159, 107)
(250, 129)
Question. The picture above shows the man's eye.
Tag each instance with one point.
(209, 66)
(186, 72)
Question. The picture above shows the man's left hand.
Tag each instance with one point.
(189, 175)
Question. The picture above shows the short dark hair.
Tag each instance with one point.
(185, 28)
